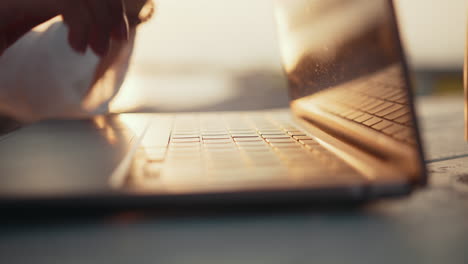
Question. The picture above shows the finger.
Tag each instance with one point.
(101, 27)
(99, 42)
(120, 30)
(78, 20)
(78, 37)
(101, 15)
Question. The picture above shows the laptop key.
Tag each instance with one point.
(279, 136)
(184, 136)
(397, 114)
(354, 115)
(217, 141)
(363, 118)
(240, 135)
(393, 129)
(374, 104)
(251, 143)
(403, 119)
(184, 144)
(216, 137)
(304, 137)
(220, 134)
(271, 131)
(286, 145)
(248, 139)
(389, 110)
(184, 140)
(380, 108)
(297, 134)
(382, 125)
(372, 121)
(280, 140)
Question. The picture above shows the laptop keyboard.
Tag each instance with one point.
(249, 145)
(375, 103)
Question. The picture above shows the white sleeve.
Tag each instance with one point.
(41, 77)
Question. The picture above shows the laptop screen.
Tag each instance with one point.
(343, 59)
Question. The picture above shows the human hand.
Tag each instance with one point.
(91, 23)
(96, 22)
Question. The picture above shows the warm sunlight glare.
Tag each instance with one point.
(191, 54)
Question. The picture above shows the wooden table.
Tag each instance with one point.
(430, 226)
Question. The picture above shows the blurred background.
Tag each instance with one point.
(223, 55)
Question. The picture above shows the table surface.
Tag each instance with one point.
(429, 226)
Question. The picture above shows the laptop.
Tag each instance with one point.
(350, 133)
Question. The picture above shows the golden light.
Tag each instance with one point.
(108, 131)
